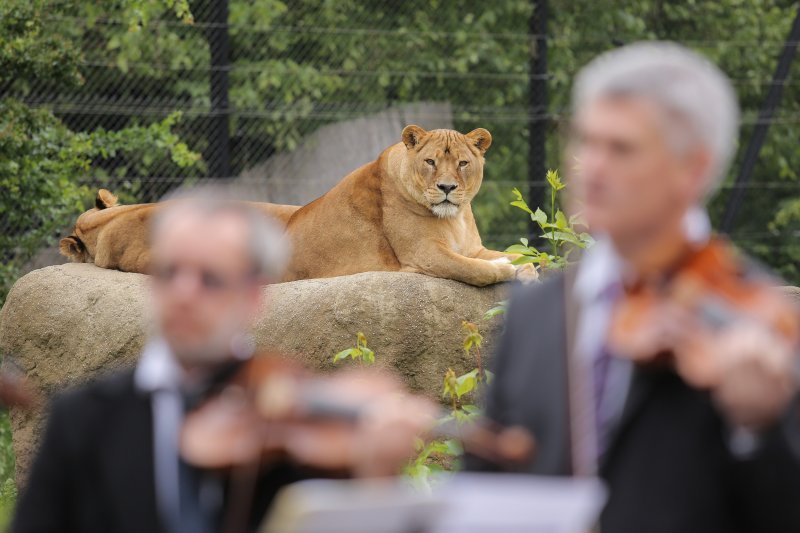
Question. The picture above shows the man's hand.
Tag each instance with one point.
(756, 376)
(387, 432)
(382, 438)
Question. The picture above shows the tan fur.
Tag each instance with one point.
(381, 216)
(385, 216)
(116, 236)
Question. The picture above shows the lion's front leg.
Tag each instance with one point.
(442, 262)
(485, 253)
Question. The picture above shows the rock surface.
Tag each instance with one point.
(64, 324)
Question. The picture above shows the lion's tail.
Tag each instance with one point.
(281, 213)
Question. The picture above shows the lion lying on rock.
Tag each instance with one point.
(407, 211)
(115, 236)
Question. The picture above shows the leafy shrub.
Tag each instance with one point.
(557, 229)
(43, 170)
(359, 353)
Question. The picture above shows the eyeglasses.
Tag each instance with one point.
(209, 280)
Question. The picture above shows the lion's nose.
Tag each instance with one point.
(446, 188)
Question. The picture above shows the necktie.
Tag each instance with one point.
(601, 413)
(194, 517)
(600, 373)
(198, 504)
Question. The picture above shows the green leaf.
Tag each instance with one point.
(450, 383)
(471, 408)
(361, 339)
(367, 355)
(540, 217)
(498, 309)
(466, 383)
(522, 205)
(560, 236)
(519, 249)
(554, 180)
(453, 448)
(344, 354)
(525, 259)
(561, 220)
(437, 447)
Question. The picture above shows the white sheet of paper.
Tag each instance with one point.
(484, 503)
(468, 503)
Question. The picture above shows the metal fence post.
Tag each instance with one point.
(765, 118)
(537, 110)
(219, 164)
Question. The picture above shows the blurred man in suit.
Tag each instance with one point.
(109, 460)
(653, 132)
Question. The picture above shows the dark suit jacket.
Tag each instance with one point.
(94, 469)
(668, 466)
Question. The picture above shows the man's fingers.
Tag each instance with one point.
(757, 376)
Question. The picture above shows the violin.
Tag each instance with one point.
(272, 408)
(713, 285)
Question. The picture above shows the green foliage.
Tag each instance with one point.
(498, 309)
(360, 353)
(442, 455)
(300, 64)
(559, 231)
(44, 168)
(433, 457)
(30, 52)
(745, 38)
(8, 490)
(473, 337)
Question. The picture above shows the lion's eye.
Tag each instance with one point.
(431, 162)
(462, 163)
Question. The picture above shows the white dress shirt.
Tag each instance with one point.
(600, 269)
(161, 376)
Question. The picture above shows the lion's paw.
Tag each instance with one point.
(527, 273)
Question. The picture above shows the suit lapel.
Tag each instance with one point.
(541, 379)
(127, 458)
(641, 384)
(560, 399)
(640, 388)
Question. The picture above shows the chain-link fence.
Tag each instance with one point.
(286, 97)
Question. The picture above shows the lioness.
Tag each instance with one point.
(115, 236)
(407, 211)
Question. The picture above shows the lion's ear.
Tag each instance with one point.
(412, 135)
(72, 247)
(105, 199)
(481, 138)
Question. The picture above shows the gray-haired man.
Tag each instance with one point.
(110, 459)
(654, 129)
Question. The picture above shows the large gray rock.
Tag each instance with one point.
(64, 324)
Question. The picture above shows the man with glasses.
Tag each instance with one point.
(109, 461)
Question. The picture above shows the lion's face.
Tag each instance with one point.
(79, 246)
(445, 167)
